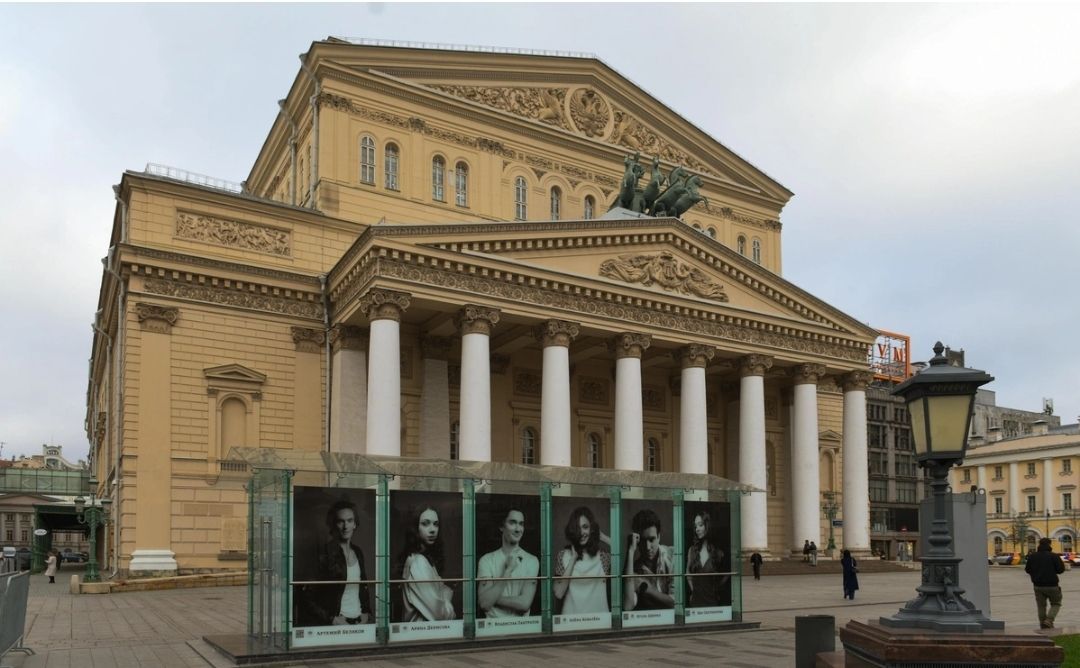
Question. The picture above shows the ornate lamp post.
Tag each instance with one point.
(940, 400)
(830, 508)
(93, 515)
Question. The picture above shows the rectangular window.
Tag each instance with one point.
(997, 473)
(10, 535)
(905, 492)
(997, 505)
(879, 462)
(1031, 504)
(1031, 468)
(1066, 501)
(905, 465)
(875, 436)
(967, 475)
(879, 490)
(24, 535)
(903, 439)
(1066, 466)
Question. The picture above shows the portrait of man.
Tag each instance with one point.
(508, 597)
(340, 559)
(648, 584)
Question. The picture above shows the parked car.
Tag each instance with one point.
(1007, 558)
(75, 557)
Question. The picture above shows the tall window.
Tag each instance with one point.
(1066, 466)
(1066, 501)
(967, 475)
(367, 160)
(455, 431)
(521, 199)
(875, 435)
(1066, 542)
(879, 462)
(905, 492)
(998, 505)
(438, 179)
(391, 160)
(757, 250)
(711, 232)
(997, 473)
(556, 203)
(905, 465)
(528, 446)
(740, 245)
(1031, 468)
(1031, 504)
(592, 453)
(461, 184)
(590, 207)
(879, 490)
(999, 544)
(652, 455)
(903, 439)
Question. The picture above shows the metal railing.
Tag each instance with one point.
(405, 44)
(184, 175)
(14, 591)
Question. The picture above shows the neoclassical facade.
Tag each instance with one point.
(422, 263)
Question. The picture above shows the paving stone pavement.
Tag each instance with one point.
(164, 628)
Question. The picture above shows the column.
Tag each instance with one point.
(693, 424)
(555, 336)
(384, 308)
(475, 323)
(628, 348)
(980, 476)
(435, 398)
(856, 504)
(348, 389)
(1014, 489)
(755, 528)
(805, 468)
(1048, 486)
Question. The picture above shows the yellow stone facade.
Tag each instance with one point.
(223, 314)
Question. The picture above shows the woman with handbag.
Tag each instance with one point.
(851, 577)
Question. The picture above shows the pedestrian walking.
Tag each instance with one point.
(1044, 566)
(755, 562)
(806, 550)
(851, 574)
(813, 553)
(50, 567)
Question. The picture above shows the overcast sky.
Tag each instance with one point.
(934, 153)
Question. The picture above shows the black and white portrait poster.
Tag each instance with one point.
(708, 561)
(581, 543)
(333, 547)
(649, 562)
(508, 564)
(425, 565)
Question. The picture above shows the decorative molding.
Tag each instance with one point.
(528, 383)
(594, 391)
(590, 113)
(435, 347)
(629, 344)
(348, 337)
(630, 132)
(156, 318)
(219, 265)
(665, 270)
(695, 355)
(547, 105)
(238, 294)
(473, 319)
(807, 374)
(382, 304)
(653, 397)
(727, 213)
(308, 340)
(556, 333)
(857, 381)
(754, 365)
(233, 234)
(772, 408)
(499, 363)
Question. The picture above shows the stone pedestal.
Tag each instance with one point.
(153, 562)
(870, 644)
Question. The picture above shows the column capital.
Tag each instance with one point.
(857, 381)
(382, 304)
(695, 355)
(435, 347)
(629, 344)
(807, 374)
(473, 319)
(556, 333)
(308, 340)
(754, 365)
(156, 318)
(347, 337)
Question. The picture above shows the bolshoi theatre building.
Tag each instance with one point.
(477, 255)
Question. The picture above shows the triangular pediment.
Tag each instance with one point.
(27, 500)
(235, 373)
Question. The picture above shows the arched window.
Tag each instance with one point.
(528, 446)
(740, 245)
(438, 179)
(592, 451)
(697, 226)
(556, 203)
(391, 165)
(1029, 542)
(461, 184)
(590, 207)
(1066, 543)
(712, 232)
(652, 455)
(233, 424)
(999, 544)
(455, 430)
(521, 199)
(757, 250)
(367, 160)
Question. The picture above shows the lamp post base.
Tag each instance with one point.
(869, 644)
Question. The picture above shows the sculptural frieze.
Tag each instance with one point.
(232, 234)
(542, 104)
(590, 112)
(665, 270)
(636, 136)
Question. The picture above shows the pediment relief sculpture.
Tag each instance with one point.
(665, 270)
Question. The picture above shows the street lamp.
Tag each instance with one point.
(93, 515)
(1047, 534)
(940, 400)
(830, 508)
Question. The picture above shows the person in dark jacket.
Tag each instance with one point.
(755, 561)
(339, 559)
(1044, 566)
(851, 577)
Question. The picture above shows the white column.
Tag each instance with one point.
(1014, 489)
(755, 528)
(805, 469)
(980, 476)
(1048, 486)
(384, 308)
(856, 506)
(435, 398)
(629, 422)
(555, 336)
(475, 323)
(348, 389)
(693, 425)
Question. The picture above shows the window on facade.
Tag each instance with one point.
(461, 184)
(592, 453)
(590, 207)
(875, 435)
(438, 179)
(997, 505)
(757, 251)
(9, 535)
(455, 431)
(905, 465)
(233, 424)
(391, 165)
(879, 490)
(697, 227)
(967, 475)
(1031, 468)
(367, 160)
(521, 199)
(879, 462)
(1066, 501)
(652, 455)
(997, 473)
(1066, 466)
(528, 446)
(711, 232)
(556, 203)
(1030, 543)
(1031, 504)
(876, 413)
(903, 439)
(905, 492)
(740, 245)
(901, 415)
(1066, 543)
(999, 544)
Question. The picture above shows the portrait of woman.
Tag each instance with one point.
(704, 560)
(582, 565)
(425, 596)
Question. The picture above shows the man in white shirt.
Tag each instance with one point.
(508, 598)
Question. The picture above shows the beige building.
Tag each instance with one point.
(1031, 488)
(421, 263)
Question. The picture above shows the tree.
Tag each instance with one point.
(1018, 530)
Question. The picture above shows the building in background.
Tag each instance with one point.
(51, 458)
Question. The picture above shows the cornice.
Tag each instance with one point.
(143, 252)
(1071, 449)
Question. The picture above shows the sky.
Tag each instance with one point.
(934, 153)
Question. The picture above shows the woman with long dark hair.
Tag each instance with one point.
(582, 566)
(705, 560)
(425, 595)
(851, 577)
